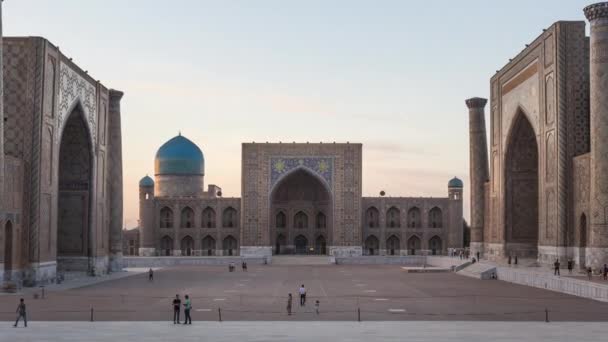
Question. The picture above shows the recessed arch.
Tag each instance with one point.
(166, 217)
(372, 245)
(393, 245)
(208, 245)
(393, 217)
(208, 218)
(320, 245)
(413, 245)
(301, 244)
(435, 218)
(187, 245)
(75, 193)
(372, 217)
(187, 218)
(229, 218)
(229, 245)
(435, 245)
(166, 245)
(414, 219)
(521, 188)
(307, 204)
(280, 243)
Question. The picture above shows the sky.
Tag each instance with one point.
(392, 75)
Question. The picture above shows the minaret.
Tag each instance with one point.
(147, 243)
(1, 122)
(597, 14)
(115, 181)
(478, 169)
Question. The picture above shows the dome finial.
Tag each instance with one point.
(179, 132)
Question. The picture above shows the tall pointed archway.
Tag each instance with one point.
(521, 190)
(303, 197)
(74, 247)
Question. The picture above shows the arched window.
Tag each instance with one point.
(435, 218)
(281, 220)
(208, 218)
(413, 218)
(372, 245)
(229, 218)
(187, 245)
(187, 218)
(372, 217)
(166, 217)
(300, 220)
(208, 245)
(435, 245)
(392, 218)
(413, 244)
(229, 245)
(393, 245)
(321, 221)
(301, 244)
(166, 245)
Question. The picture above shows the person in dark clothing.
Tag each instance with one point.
(289, 301)
(150, 275)
(605, 272)
(176, 307)
(187, 308)
(478, 255)
(556, 267)
(570, 266)
(302, 292)
(244, 266)
(589, 273)
(21, 313)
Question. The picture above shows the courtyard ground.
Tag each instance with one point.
(345, 292)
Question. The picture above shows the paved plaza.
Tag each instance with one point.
(345, 292)
(309, 331)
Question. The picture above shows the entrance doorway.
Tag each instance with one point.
(8, 250)
(301, 243)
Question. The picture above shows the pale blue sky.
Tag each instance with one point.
(392, 75)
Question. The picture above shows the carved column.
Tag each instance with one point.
(597, 14)
(115, 180)
(478, 169)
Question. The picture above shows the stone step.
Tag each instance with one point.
(301, 260)
(479, 270)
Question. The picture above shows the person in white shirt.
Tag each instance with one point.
(302, 295)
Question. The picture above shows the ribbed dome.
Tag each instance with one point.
(179, 156)
(455, 183)
(146, 182)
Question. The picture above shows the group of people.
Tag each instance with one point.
(302, 292)
(177, 305)
(589, 270)
(232, 266)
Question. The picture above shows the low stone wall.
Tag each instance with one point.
(408, 260)
(181, 260)
(546, 280)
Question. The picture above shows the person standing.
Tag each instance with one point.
(176, 308)
(302, 295)
(289, 301)
(21, 313)
(317, 303)
(244, 266)
(589, 272)
(556, 267)
(605, 271)
(187, 308)
(150, 275)
(570, 266)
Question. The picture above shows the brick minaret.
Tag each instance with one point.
(115, 180)
(1, 122)
(478, 169)
(597, 14)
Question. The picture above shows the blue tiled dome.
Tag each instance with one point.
(455, 183)
(146, 181)
(179, 156)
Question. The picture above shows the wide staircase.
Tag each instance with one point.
(301, 260)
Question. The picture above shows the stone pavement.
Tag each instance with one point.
(306, 331)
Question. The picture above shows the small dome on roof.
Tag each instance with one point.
(179, 156)
(455, 183)
(146, 181)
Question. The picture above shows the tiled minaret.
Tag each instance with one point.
(597, 14)
(478, 169)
